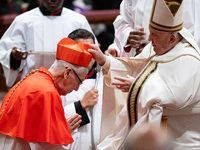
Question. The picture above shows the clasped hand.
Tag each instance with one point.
(136, 40)
(18, 54)
(90, 98)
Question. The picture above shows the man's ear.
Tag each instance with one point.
(173, 38)
(67, 72)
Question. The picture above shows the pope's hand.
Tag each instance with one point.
(18, 54)
(123, 84)
(97, 54)
(74, 122)
(90, 98)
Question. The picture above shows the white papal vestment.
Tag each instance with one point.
(169, 85)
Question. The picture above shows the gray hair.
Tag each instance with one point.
(59, 66)
(178, 35)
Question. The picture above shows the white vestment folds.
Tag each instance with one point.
(135, 14)
(167, 86)
(38, 33)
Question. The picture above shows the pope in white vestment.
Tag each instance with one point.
(33, 31)
(164, 85)
(135, 14)
(170, 87)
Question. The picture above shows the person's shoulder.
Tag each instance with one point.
(28, 15)
(190, 50)
(67, 12)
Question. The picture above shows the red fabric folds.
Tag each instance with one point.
(34, 111)
(68, 50)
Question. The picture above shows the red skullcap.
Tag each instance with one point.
(68, 50)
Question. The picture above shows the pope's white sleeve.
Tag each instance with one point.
(114, 67)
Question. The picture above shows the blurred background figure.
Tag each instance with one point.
(104, 33)
(35, 3)
(10, 7)
(7, 7)
(148, 137)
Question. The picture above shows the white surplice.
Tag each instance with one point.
(36, 32)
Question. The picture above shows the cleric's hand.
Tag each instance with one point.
(90, 98)
(74, 122)
(140, 48)
(18, 54)
(135, 38)
(111, 51)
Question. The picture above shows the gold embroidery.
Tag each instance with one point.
(177, 58)
(164, 122)
(135, 90)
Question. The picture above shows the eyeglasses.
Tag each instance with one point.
(80, 82)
